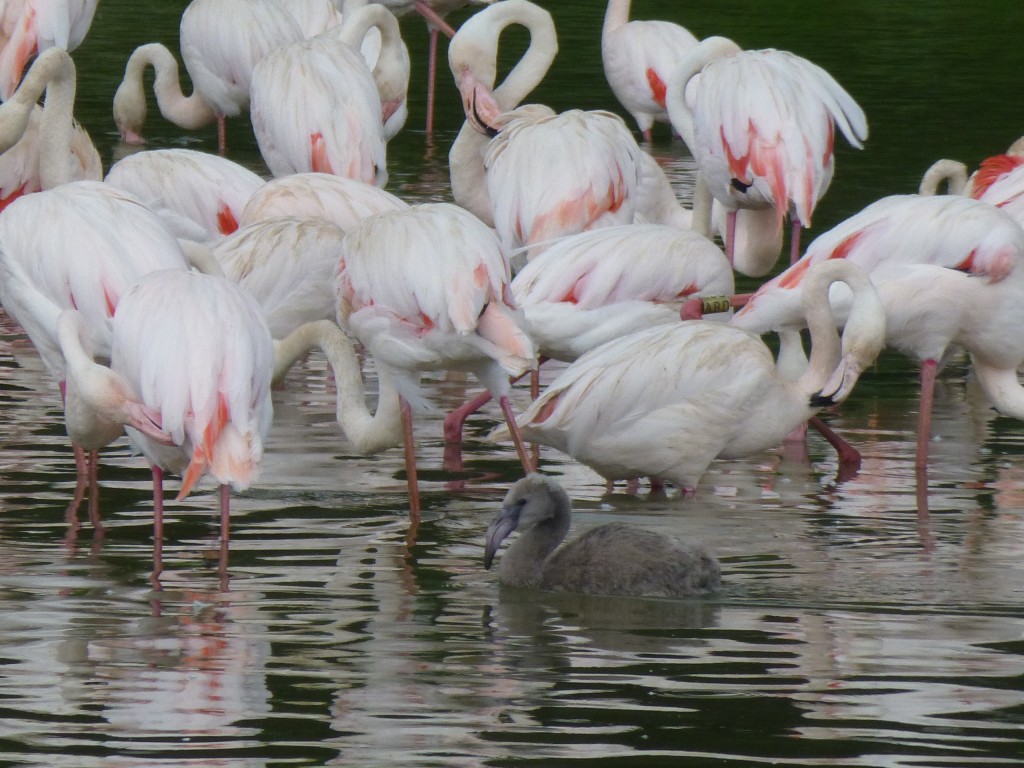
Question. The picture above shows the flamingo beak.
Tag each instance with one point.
(147, 421)
(499, 530)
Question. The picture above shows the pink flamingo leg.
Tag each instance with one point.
(848, 455)
(431, 79)
(455, 421)
(434, 18)
(794, 242)
(730, 235)
(517, 438)
(92, 462)
(158, 522)
(225, 525)
(410, 462)
(929, 369)
(222, 136)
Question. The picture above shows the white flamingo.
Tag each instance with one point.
(221, 42)
(41, 147)
(761, 128)
(638, 58)
(31, 27)
(667, 401)
(950, 273)
(196, 189)
(425, 288)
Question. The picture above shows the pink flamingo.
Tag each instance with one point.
(761, 129)
(426, 288)
(591, 288)
(80, 245)
(287, 264)
(546, 175)
(666, 401)
(30, 27)
(197, 350)
(299, 91)
(41, 147)
(638, 58)
(338, 199)
(221, 42)
(949, 272)
(204, 194)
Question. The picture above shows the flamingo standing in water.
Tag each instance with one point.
(41, 147)
(592, 288)
(197, 350)
(30, 27)
(426, 288)
(761, 129)
(950, 273)
(546, 175)
(433, 12)
(287, 264)
(203, 194)
(317, 106)
(221, 42)
(80, 245)
(639, 57)
(665, 402)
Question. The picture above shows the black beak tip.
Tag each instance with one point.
(821, 401)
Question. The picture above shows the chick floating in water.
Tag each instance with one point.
(612, 559)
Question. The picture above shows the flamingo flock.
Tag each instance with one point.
(168, 295)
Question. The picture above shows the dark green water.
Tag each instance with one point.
(858, 625)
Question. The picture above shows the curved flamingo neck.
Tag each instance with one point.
(1001, 387)
(679, 113)
(616, 16)
(53, 73)
(368, 433)
(952, 173)
(475, 47)
(863, 335)
(188, 112)
(391, 70)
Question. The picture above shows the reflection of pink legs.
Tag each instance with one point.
(222, 137)
(431, 78)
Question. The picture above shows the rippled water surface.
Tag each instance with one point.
(860, 624)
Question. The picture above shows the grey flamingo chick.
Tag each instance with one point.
(612, 559)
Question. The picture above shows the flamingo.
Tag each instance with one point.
(761, 129)
(949, 273)
(205, 193)
(954, 174)
(197, 350)
(299, 91)
(666, 401)
(43, 146)
(80, 245)
(591, 288)
(314, 17)
(221, 42)
(30, 27)
(287, 264)
(547, 175)
(433, 12)
(425, 288)
(98, 405)
(638, 58)
(335, 198)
